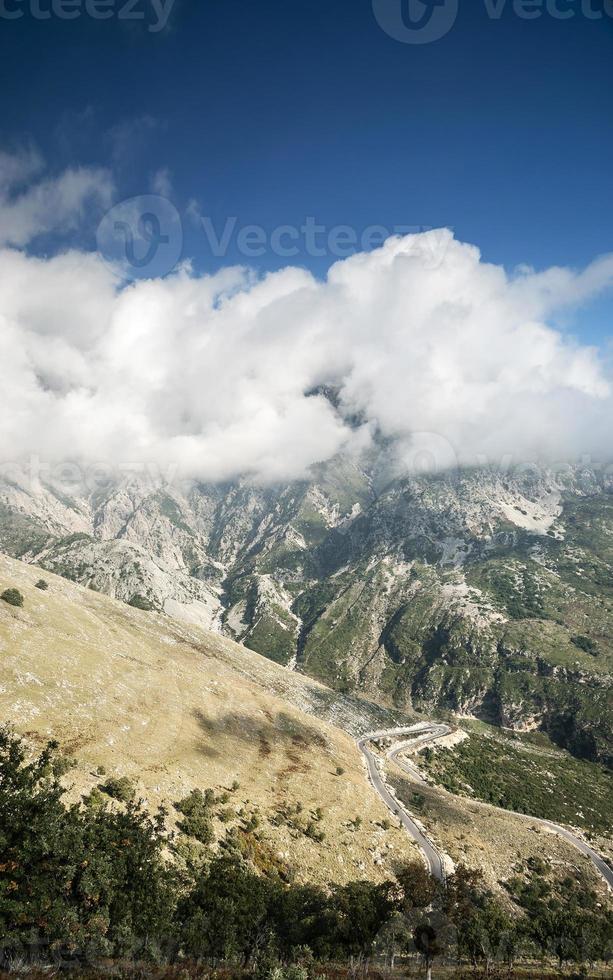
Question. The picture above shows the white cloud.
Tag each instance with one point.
(161, 182)
(57, 204)
(19, 167)
(213, 374)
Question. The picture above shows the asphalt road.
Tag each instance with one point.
(431, 855)
(422, 734)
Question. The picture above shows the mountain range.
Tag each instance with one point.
(485, 592)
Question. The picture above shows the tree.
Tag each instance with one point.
(126, 876)
(586, 644)
(40, 847)
(395, 937)
(419, 888)
(226, 914)
(361, 910)
(303, 917)
(75, 881)
(480, 921)
(427, 943)
(564, 918)
(427, 929)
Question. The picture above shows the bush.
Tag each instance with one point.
(584, 643)
(13, 597)
(119, 788)
(314, 833)
(141, 602)
(196, 810)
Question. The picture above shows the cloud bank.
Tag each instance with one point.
(221, 376)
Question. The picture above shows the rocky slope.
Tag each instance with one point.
(482, 592)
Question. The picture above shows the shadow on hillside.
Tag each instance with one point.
(266, 731)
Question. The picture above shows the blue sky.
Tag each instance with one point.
(272, 112)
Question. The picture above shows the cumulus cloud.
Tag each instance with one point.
(226, 375)
(30, 207)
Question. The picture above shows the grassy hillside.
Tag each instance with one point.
(481, 836)
(536, 779)
(133, 694)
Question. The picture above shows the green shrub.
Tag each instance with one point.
(312, 831)
(63, 764)
(119, 788)
(94, 800)
(196, 810)
(141, 602)
(584, 643)
(42, 585)
(13, 597)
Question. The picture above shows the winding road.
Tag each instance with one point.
(422, 732)
(420, 735)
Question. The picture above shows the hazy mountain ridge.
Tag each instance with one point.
(481, 592)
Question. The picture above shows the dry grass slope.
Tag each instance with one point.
(173, 708)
